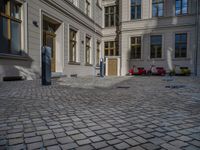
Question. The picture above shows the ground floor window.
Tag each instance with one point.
(156, 46)
(98, 54)
(87, 51)
(110, 48)
(135, 47)
(10, 27)
(73, 45)
(181, 45)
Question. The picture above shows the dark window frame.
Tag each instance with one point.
(156, 3)
(87, 50)
(111, 16)
(73, 46)
(111, 48)
(8, 14)
(179, 52)
(136, 47)
(181, 8)
(154, 48)
(136, 5)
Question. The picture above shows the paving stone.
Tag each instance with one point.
(85, 147)
(122, 145)
(37, 145)
(140, 139)
(136, 148)
(83, 142)
(56, 147)
(33, 139)
(69, 146)
(17, 147)
(78, 137)
(48, 136)
(96, 139)
(150, 146)
(132, 142)
(157, 141)
(99, 145)
(107, 137)
(114, 141)
(178, 143)
(65, 140)
(50, 142)
(16, 141)
(169, 147)
(195, 143)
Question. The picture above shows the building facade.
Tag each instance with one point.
(164, 33)
(72, 28)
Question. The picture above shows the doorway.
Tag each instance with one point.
(49, 38)
(112, 67)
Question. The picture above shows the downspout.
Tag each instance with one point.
(197, 38)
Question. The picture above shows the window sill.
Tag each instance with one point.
(15, 57)
(181, 59)
(136, 59)
(74, 63)
(156, 59)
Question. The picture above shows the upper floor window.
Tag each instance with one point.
(110, 49)
(110, 16)
(181, 7)
(157, 8)
(156, 46)
(136, 9)
(135, 47)
(10, 27)
(88, 7)
(181, 45)
(87, 51)
(73, 45)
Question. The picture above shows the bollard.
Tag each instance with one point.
(46, 65)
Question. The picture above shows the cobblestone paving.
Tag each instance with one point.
(137, 113)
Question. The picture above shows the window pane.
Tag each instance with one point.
(16, 10)
(132, 12)
(106, 20)
(184, 6)
(160, 9)
(178, 7)
(4, 38)
(15, 37)
(154, 10)
(112, 20)
(139, 12)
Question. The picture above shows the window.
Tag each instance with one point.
(87, 51)
(157, 8)
(73, 42)
(110, 16)
(10, 27)
(110, 49)
(136, 9)
(98, 54)
(156, 46)
(181, 45)
(181, 7)
(87, 7)
(135, 47)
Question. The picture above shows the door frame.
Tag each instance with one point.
(45, 34)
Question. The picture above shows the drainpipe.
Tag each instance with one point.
(197, 38)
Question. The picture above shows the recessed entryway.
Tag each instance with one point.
(51, 36)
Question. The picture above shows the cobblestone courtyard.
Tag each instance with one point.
(136, 113)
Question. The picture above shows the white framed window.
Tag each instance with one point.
(88, 50)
